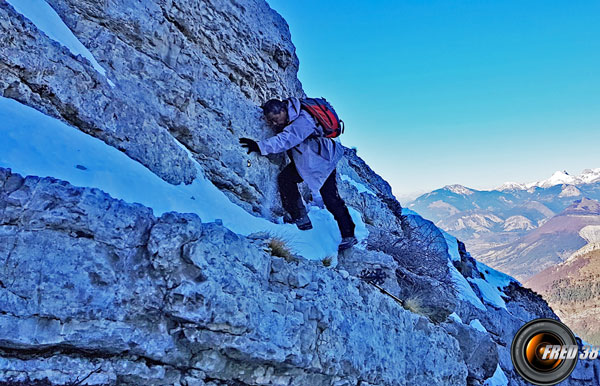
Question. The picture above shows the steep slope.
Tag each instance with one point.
(99, 288)
(572, 288)
(547, 245)
(173, 299)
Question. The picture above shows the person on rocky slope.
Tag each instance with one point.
(313, 159)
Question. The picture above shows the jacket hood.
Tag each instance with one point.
(293, 109)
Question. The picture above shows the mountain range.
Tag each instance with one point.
(548, 245)
(545, 233)
(489, 220)
(587, 176)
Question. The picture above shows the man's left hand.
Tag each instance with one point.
(249, 144)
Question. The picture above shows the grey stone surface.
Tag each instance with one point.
(91, 286)
(93, 282)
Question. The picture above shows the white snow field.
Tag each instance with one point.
(35, 144)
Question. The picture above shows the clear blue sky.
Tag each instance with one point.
(443, 92)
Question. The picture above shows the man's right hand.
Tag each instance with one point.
(249, 144)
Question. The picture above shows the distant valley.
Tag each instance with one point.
(519, 229)
(546, 234)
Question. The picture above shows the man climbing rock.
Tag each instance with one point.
(313, 158)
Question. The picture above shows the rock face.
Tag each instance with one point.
(171, 299)
(94, 290)
(194, 73)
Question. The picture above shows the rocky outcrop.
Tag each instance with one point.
(195, 73)
(98, 291)
(172, 299)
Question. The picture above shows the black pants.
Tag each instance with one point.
(288, 181)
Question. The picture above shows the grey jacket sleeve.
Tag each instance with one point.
(291, 136)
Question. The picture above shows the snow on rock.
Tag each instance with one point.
(498, 379)
(591, 233)
(360, 187)
(463, 288)
(187, 290)
(36, 144)
(490, 287)
(458, 189)
(476, 324)
(476, 221)
(147, 299)
(589, 176)
(452, 246)
(45, 18)
(511, 186)
(558, 178)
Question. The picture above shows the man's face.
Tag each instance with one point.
(277, 121)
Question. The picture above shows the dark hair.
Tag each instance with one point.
(273, 106)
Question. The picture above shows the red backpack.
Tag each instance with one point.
(325, 115)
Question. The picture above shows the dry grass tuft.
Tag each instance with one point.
(327, 261)
(416, 305)
(279, 247)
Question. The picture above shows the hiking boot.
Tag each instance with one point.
(347, 242)
(303, 223)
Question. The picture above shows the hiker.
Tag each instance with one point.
(313, 158)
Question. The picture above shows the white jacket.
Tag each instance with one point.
(315, 155)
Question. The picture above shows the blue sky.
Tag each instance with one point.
(443, 92)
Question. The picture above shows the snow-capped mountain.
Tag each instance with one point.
(587, 176)
(458, 189)
(489, 218)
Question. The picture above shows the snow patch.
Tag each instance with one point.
(498, 379)
(458, 189)
(492, 284)
(49, 22)
(463, 288)
(35, 144)
(452, 243)
(476, 324)
(360, 187)
(454, 316)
